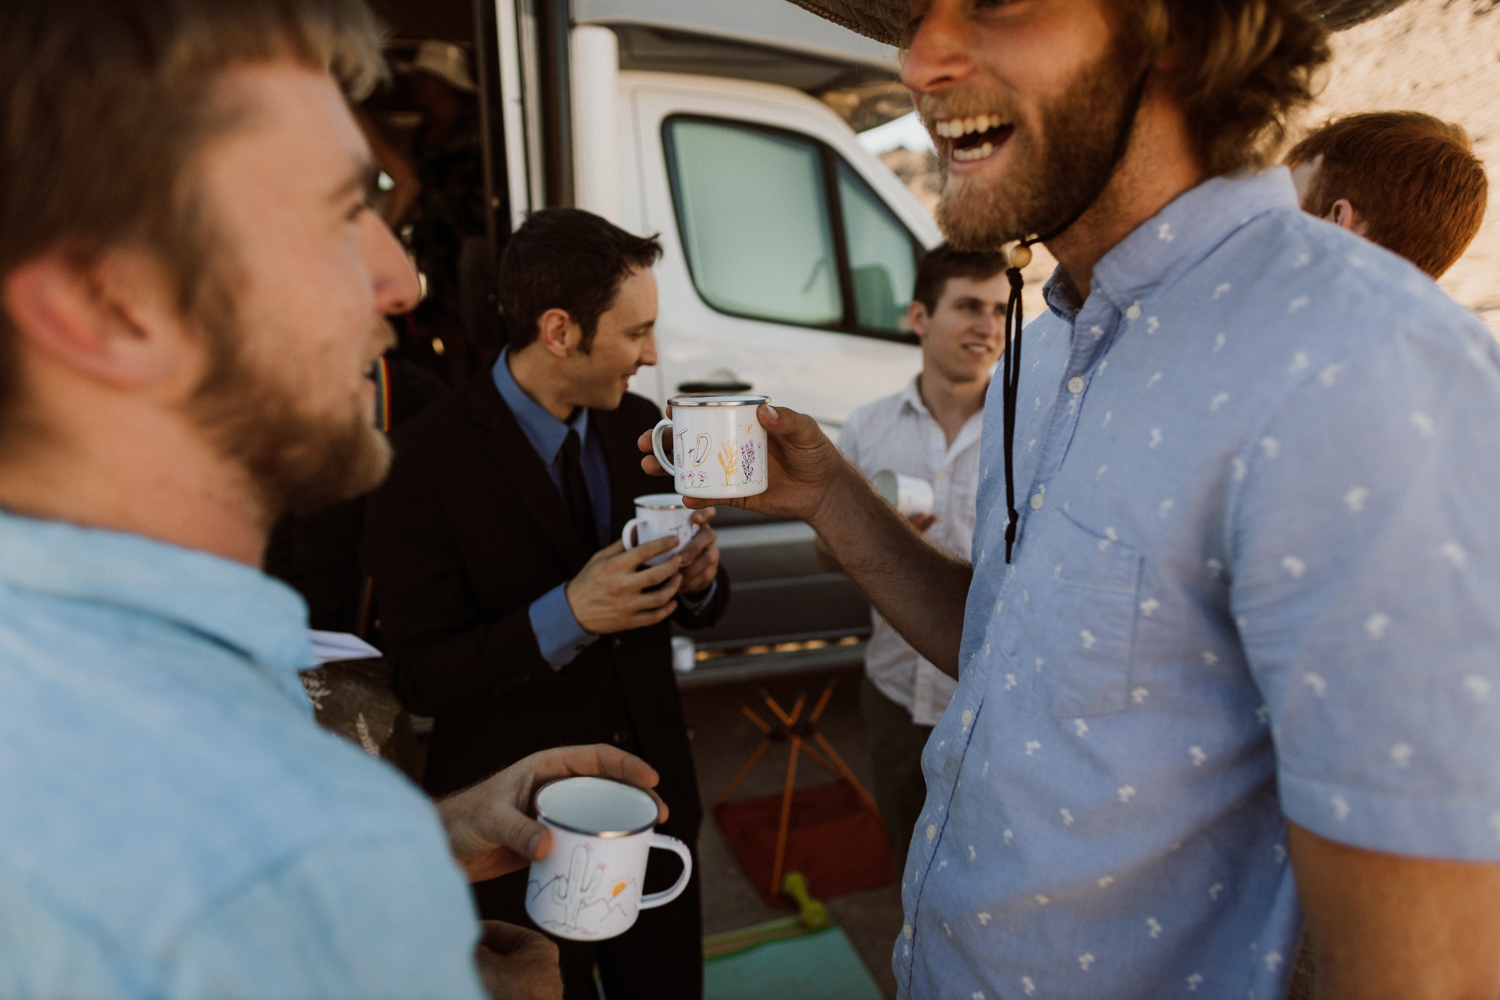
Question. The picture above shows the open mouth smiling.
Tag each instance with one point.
(975, 137)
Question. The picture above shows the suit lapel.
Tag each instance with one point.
(522, 467)
(622, 458)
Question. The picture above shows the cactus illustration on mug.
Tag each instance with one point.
(747, 459)
(729, 460)
(578, 888)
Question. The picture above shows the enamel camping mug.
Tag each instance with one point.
(588, 887)
(658, 515)
(718, 446)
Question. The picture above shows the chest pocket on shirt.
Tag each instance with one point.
(1091, 607)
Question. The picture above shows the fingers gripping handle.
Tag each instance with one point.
(666, 843)
(666, 424)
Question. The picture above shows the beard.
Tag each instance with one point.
(1056, 172)
(296, 462)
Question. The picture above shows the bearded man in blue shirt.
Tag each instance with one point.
(193, 289)
(1231, 669)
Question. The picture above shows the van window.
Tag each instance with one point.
(777, 226)
(755, 222)
(881, 263)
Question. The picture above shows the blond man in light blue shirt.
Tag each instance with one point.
(193, 289)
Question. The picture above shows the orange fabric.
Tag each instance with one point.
(833, 839)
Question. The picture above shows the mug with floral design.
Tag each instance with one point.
(718, 446)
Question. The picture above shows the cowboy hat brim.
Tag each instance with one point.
(886, 20)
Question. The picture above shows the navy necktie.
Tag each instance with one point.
(576, 492)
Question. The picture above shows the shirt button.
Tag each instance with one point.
(1036, 502)
(1075, 384)
(906, 931)
(617, 643)
(931, 830)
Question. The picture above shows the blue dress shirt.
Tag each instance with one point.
(173, 824)
(558, 634)
(1257, 578)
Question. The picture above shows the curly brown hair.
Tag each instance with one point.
(1239, 69)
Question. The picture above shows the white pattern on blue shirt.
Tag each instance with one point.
(1268, 516)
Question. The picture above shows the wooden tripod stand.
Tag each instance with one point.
(797, 732)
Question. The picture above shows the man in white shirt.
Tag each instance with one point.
(930, 431)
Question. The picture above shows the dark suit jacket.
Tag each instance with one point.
(467, 532)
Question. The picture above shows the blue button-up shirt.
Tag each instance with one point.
(559, 637)
(1257, 576)
(172, 821)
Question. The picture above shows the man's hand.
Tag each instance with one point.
(923, 522)
(1388, 927)
(700, 557)
(516, 963)
(614, 592)
(490, 829)
(802, 466)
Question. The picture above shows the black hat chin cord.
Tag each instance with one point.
(1020, 256)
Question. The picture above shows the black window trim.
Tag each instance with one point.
(829, 160)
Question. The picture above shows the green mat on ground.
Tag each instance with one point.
(821, 965)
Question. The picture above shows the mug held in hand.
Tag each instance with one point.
(718, 446)
(659, 515)
(588, 887)
(910, 494)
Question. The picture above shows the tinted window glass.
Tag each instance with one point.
(882, 258)
(755, 222)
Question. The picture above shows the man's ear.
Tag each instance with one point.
(916, 319)
(1344, 214)
(557, 332)
(111, 319)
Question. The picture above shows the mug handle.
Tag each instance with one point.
(666, 843)
(634, 522)
(666, 424)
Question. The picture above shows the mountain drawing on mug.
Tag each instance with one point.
(583, 899)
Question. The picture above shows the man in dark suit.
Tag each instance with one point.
(511, 612)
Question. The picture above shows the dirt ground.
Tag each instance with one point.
(1437, 56)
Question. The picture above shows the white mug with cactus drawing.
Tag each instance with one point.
(718, 446)
(588, 887)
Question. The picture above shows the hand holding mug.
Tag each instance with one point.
(589, 887)
(617, 592)
(803, 468)
(489, 827)
(664, 515)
